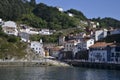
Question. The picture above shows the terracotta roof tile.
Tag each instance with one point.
(102, 44)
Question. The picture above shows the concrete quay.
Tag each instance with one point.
(96, 65)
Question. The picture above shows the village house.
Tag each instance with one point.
(45, 32)
(100, 34)
(69, 45)
(115, 31)
(24, 36)
(61, 40)
(60, 9)
(1, 22)
(55, 51)
(29, 30)
(70, 14)
(83, 45)
(104, 52)
(38, 47)
(93, 24)
(10, 28)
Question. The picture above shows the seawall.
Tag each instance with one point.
(111, 66)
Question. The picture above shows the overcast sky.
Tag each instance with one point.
(91, 8)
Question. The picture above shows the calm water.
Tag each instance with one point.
(57, 73)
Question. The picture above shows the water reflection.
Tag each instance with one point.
(56, 73)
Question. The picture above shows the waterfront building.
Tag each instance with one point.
(55, 51)
(38, 47)
(10, 28)
(83, 46)
(104, 52)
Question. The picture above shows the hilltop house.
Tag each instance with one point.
(104, 52)
(38, 47)
(60, 9)
(10, 28)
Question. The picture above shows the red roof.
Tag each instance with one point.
(102, 44)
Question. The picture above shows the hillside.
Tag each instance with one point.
(39, 15)
(10, 46)
(107, 22)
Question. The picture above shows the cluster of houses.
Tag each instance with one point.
(87, 47)
(74, 46)
(24, 32)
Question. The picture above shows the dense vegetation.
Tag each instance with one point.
(112, 38)
(38, 15)
(10, 46)
(107, 22)
(77, 14)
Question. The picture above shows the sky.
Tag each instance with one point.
(90, 8)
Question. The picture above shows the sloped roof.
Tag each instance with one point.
(10, 24)
(102, 44)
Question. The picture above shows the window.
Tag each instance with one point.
(112, 55)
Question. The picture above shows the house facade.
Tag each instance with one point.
(104, 52)
(85, 44)
(99, 34)
(116, 31)
(10, 28)
(69, 45)
(38, 47)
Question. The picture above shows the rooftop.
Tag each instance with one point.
(102, 44)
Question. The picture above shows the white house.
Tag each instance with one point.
(69, 45)
(99, 34)
(45, 32)
(1, 22)
(60, 9)
(83, 45)
(115, 31)
(104, 52)
(70, 14)
(38, 47)
(10, 28)
(93, 24)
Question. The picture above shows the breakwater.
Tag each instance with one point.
(97, 65)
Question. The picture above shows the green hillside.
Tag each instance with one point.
(10, 46)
